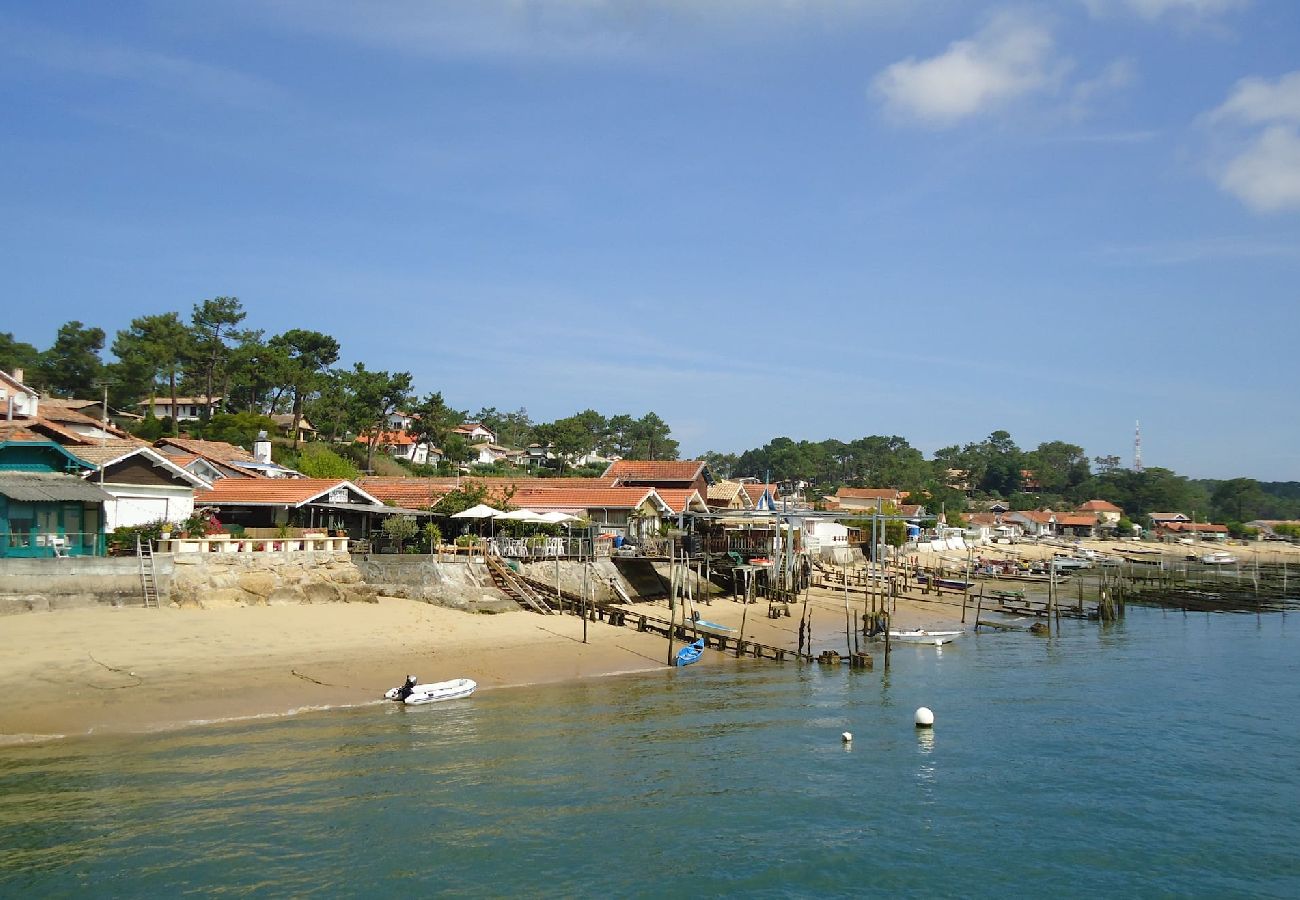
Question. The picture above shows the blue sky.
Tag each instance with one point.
(817, 219)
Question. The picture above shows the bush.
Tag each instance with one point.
(319, 461)
(400, 529)
(432, 535)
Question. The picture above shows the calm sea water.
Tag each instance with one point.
(1158, 757)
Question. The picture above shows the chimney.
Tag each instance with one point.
(17, 375)
(262, 448)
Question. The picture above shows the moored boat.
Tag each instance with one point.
(1219, 558)
(414, 694)
(921, 636)
(690, 653)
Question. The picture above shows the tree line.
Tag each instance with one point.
(1055, 474)
(212, 353)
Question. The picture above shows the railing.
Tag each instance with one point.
(225, 543)
(34, 543)
(550, 548)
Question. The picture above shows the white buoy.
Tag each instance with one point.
(847, 737)
(924, 717)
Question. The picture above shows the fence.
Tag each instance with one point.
(225, 543)
(34, 543)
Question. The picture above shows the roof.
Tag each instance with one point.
(14, 382)
(412, 493)
(388, 439)
(217, 450)
(563, 498)
(1070, 520)
(1042, 517)
(1196, 527)
(726, 491)
(49, 487)
(870, 494)
(682, 499)
(274, 491)
(1168, 517)
(285, 420)
(687, 470)
(755, 491)
(1099, 506)
(101, 456)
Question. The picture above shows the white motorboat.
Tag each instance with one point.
(412, 693)
(921, 636)
(1219, 558)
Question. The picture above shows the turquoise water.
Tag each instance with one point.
(1158, 757)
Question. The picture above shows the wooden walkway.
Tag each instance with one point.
(644, 622)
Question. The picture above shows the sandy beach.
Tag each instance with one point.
(97, 671)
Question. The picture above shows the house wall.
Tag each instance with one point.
(142, 504)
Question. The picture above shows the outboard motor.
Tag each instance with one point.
(407, 688)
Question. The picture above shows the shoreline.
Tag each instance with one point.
(78, 673)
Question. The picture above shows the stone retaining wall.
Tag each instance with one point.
(217, 580)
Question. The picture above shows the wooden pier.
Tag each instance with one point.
(611, 614)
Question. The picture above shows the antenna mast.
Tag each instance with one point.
(1137, 447)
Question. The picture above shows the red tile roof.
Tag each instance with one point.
(679, 499)
(755, 491)
(891, 494)
(1196, 527)
(388, 439)
(655, 470)
(215, 450)
(580, 498)
(268, 491)
(411, 493)
(1073, 521)
(1099, 506)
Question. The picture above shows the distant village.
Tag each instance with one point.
(71, 477)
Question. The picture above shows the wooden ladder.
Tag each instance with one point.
(618, 589)
(515, 587)
(148, 582)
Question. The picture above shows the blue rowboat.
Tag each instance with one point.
(690, 653)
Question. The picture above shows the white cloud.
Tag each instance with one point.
(1256, 101)
(1151, 10)
(1007, 59)
(1264, 172)
(1266, 176)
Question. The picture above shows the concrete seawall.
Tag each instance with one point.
(214, 580)
(41, 585)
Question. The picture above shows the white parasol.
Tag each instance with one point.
(482, 511)
(519, 515)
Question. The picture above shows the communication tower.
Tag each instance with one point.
(1137, 447)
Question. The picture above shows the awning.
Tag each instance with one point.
(50, 487)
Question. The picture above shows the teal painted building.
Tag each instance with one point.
(46, 507)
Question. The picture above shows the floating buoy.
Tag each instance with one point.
(847, 737)
(924, 717)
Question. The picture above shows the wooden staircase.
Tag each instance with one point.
(515, 587)
(148, 581)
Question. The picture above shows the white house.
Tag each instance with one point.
(488, 453)
(145, 485)
(475, 433)
(188, 409)
(821, 535)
